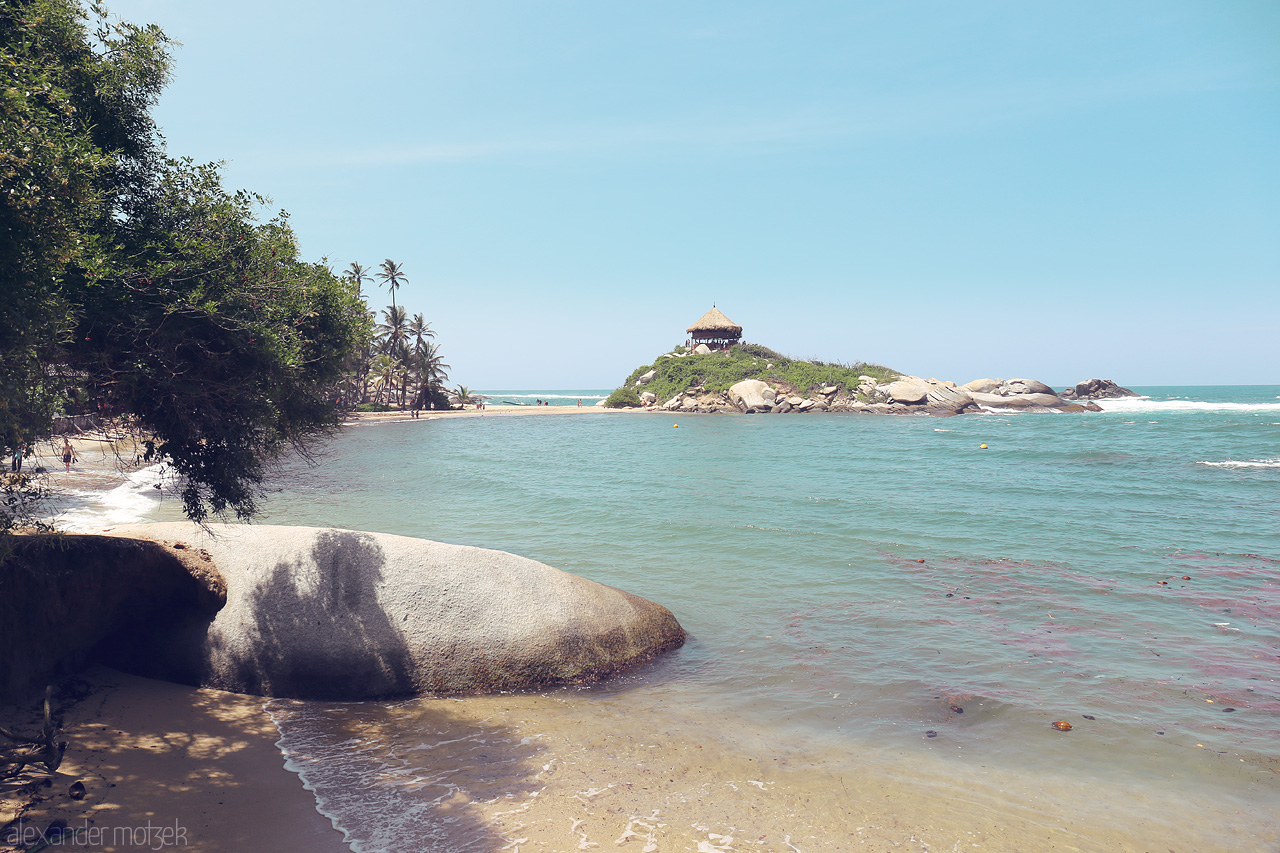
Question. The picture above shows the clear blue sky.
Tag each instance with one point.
(958, 190)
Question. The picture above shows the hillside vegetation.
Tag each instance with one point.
(681, 371)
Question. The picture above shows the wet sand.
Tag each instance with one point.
(199, 766)
(555, 772)
(580, 771)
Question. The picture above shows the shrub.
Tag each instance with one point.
(623, 398)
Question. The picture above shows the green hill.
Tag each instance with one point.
(682, 371)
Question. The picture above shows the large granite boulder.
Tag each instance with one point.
(982, 386)
(318, 613)
(1017, 401)
(910, 389)
(646, 378)
(1097, 389)
(1025, 386)
(752, 395)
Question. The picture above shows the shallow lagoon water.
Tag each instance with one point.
(848, 583)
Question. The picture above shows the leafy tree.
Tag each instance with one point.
(76, 142)
(211, 332)
(140, 280)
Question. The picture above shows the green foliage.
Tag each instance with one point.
(214, 335)
(624, 397)
(373, 407)
(463, 395)
(718, 371)
(761, 351)
(142, 283)
(75, 140)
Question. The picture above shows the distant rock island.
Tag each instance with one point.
(750, 378)
(715, 372)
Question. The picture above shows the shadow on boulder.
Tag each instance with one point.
(354, 649)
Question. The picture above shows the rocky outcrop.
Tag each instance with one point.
(933, 396)
(69, 600)
(316, 613)
(900, 394)
(1097, 389)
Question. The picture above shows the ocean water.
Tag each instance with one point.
(562, 397)
(885, 621)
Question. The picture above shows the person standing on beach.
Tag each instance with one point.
(68, 453)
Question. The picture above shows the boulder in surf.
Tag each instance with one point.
(322, 613)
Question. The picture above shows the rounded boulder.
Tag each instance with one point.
(323, 613)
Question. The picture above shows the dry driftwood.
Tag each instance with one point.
(27, 751)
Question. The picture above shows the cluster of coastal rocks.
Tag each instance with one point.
(905, 395)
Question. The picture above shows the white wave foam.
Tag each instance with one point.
(131, 501)
(559, 395)
(1236, 463)
(1134, 405)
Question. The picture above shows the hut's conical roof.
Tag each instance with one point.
(714, 321)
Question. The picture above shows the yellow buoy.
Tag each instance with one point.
(676, 426)
(983, 447)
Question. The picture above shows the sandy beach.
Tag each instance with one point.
(164, 765)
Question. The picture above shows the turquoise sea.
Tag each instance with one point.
(885, 619)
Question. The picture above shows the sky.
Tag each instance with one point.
(955, 190)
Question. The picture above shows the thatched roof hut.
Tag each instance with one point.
(715, 330)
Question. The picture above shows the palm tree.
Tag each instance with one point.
(464, 395)
(383, 371)
(431, 370)
(393, 332)
(359, 274)
(419, 330)
(392, 276)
